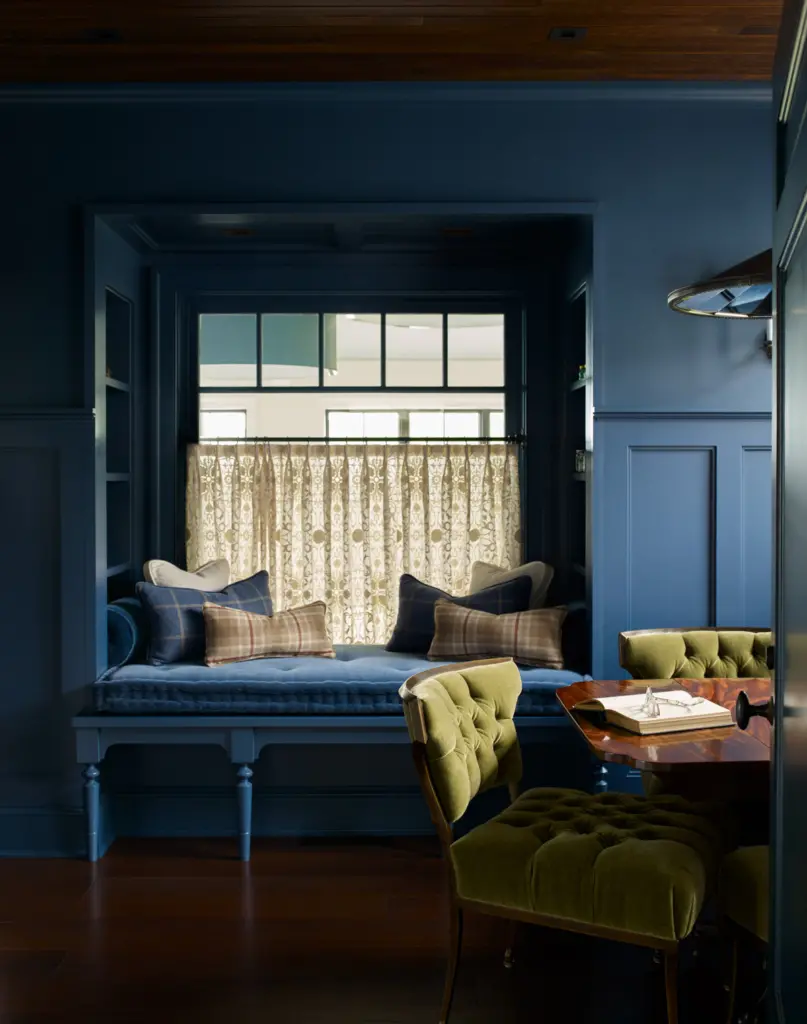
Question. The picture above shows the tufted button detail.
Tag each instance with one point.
(572, 854)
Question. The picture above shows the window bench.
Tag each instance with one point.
(244, 707)
(243, 737)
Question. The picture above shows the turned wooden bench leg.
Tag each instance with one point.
(244, 792)
(92, 809)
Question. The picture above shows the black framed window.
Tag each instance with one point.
(298, 371)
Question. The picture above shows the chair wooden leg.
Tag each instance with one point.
(671, 986)
(512, 933)
(455, 945)
(732, 981)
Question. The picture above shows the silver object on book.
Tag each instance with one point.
(650, 706)
(652, 703)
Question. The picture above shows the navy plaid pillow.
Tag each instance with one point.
(414, 630)
(177, 625)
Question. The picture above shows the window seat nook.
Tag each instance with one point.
(245, 706)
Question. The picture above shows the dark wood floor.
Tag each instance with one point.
(343, 933)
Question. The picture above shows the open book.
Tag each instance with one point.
(657, 711)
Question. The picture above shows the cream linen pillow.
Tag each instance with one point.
(211, 577)
(483, 574)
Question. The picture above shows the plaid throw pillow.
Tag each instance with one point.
(176, 625)
(414, 628)
(529, 638)
(232, 635)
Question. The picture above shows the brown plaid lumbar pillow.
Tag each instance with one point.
(233, 635)
(529, 638)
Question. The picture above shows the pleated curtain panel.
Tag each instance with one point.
(342, 522)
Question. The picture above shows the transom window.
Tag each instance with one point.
(301, 375)
(417, 423)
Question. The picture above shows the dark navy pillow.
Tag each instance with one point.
(177, 625)
(414, 630)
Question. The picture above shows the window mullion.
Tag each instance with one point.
(321, 349)
(259, 375)
(383, 350)
(445, 350)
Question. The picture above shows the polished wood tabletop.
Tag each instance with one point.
(675, 751)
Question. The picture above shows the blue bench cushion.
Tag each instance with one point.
(361, 680)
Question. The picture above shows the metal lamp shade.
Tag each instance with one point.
(744, 292)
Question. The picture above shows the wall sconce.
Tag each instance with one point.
(743, 292)
(767, 341)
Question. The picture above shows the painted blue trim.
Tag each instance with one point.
(41, 832)
(90, 383)
(386, 92)
(413, 208)
(12, 414)
(245, 736)
(284, 724)
(673, 415)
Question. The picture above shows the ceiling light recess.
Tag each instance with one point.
(568, 33)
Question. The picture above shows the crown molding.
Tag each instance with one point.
(381, 92)
(23, 414)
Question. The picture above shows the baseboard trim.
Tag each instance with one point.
(41, 832)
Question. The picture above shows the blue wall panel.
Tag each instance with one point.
(670, 504)
(756, 503)
(683, 525)
(46, 643)
(29, 480)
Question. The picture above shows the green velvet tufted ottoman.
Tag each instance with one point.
(615, 861)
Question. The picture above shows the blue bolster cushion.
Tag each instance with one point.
(126, 630)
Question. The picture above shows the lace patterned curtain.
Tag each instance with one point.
(341, 522)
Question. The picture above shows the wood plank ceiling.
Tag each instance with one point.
(386, 40)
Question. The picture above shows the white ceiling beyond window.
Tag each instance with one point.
(215, 423)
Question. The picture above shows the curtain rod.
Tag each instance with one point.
(512, 439)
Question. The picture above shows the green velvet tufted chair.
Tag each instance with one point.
(723, 653)
(628, 868)
(711, 652)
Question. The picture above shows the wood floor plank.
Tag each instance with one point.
(316, 932)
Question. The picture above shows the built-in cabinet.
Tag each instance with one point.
(119, 422)
(575, 451)
(119, 399)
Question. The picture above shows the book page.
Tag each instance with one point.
(672, 704)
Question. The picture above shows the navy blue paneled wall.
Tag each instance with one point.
(684, 524)
(681, 521)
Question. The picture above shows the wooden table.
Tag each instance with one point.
(713, 749)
